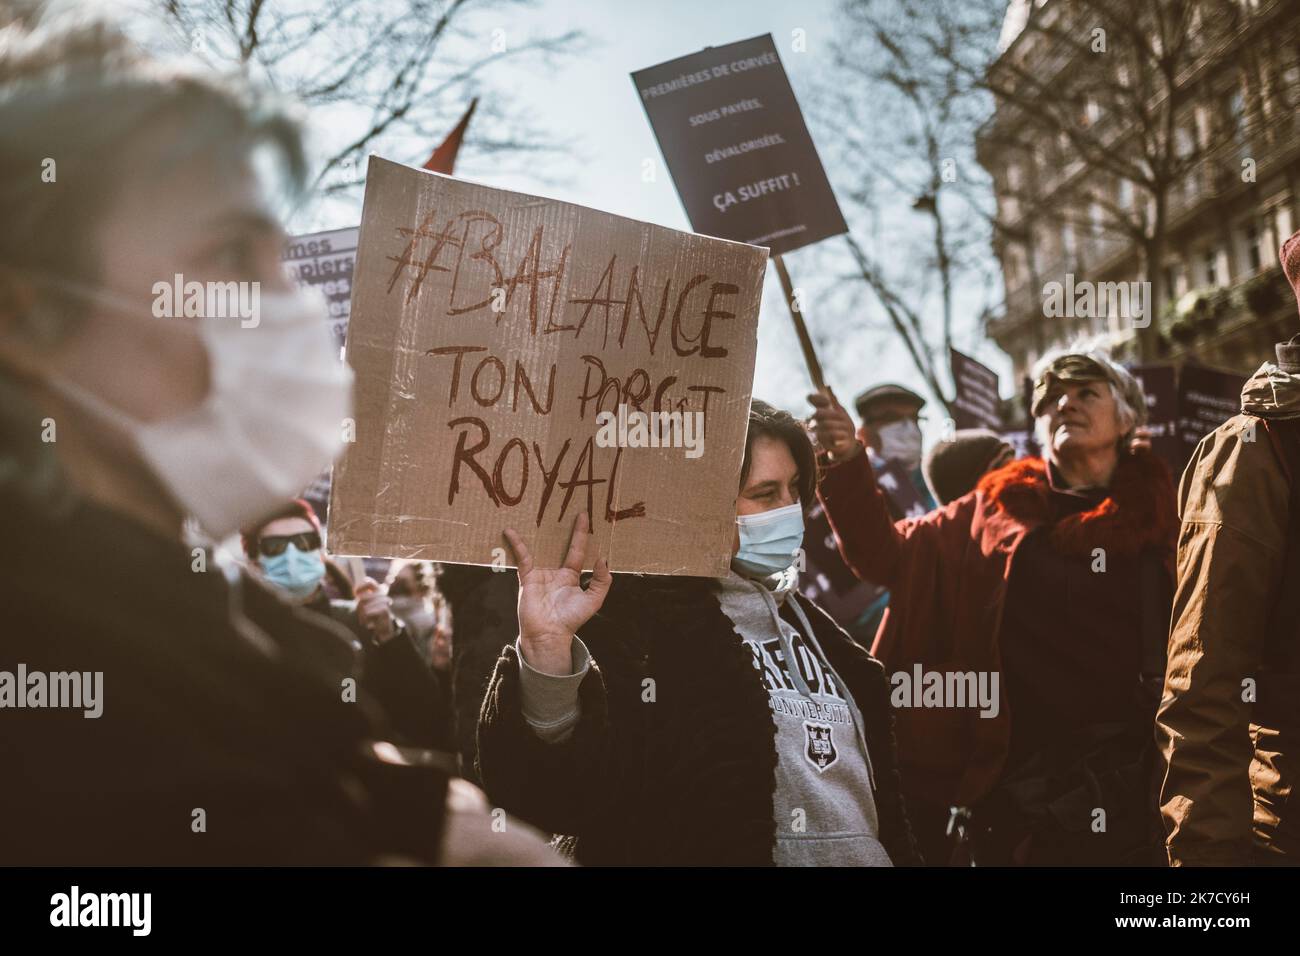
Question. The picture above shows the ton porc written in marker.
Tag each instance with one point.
(489, 332)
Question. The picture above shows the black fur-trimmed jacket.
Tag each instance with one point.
(673, 760)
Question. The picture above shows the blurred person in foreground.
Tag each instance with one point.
(1026, 632)
(699, 721)
(1229, 723)
(224, 735)
(288, 552)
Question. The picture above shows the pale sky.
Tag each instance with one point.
(588, 101)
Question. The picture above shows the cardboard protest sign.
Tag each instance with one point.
(325, 261)
(976, 401)
(737, 146)
(520, 360)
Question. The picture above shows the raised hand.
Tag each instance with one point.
(552, 603)
(833, 427)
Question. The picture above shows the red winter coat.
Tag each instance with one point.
(948, 572)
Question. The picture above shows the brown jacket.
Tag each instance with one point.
(1230, 716)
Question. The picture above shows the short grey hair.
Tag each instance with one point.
(1124, 388)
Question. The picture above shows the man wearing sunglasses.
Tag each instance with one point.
(287, 551)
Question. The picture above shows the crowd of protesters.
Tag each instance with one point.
(281, 708)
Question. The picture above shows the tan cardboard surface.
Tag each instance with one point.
(488, 330)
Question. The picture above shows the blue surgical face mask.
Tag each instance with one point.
(769, 540)
(297, 572)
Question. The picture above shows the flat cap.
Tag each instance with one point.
(888, 392)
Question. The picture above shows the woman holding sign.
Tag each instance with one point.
(1026, 632)
(677, 721)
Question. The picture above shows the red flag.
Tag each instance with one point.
(444, 157)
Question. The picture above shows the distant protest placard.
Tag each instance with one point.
(521, 360)
(976, 389)
(1160, 389)
(827, 579)
(1207, 397)
(325, 261)
(1183, 406)
(736, 144)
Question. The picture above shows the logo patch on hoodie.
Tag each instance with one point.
(820, 750)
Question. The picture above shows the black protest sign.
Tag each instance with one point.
(976, 401)
(826, 579)
(1160, 388)
(1183, 407)
(736, 144)
(1023, 443)
(1207, 397)
(903, 497)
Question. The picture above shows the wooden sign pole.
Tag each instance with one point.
(805, 341)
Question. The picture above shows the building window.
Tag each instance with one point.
(1201, 124)
(1210, 266)
(1236, 108)
(1284, 226)
(1011, 262)
(1251, 236)
(1125, 194)
(1234, 112)
(1290, 86)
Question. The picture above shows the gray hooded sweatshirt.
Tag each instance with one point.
(825, 812)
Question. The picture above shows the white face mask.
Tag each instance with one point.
(271, 422)
(901, 442)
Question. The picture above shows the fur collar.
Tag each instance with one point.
(1138, 513)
